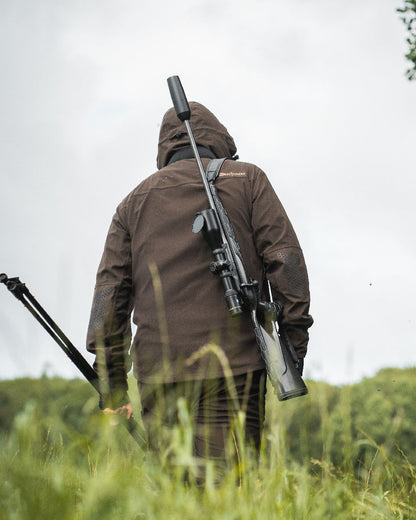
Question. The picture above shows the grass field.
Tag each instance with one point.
(49, 470)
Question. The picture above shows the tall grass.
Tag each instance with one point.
(47, 472)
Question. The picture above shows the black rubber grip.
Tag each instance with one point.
(178, 98)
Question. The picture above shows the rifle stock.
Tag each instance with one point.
(240, 290)
(283, 374)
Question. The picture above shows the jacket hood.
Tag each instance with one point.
(206, 128)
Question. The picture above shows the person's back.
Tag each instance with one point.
(156, 266)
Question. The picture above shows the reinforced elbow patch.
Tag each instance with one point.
(98, 309)
(294, 273)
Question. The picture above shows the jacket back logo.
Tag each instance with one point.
(233, 174)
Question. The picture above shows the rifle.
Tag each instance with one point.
(241, 292)
(22, 293)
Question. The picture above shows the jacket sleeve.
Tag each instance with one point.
(283, 261)
(109, 330)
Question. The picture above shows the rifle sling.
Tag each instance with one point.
(213, 170)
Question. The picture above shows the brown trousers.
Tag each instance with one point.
(211, 407)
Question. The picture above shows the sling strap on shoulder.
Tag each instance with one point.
(213, 169)
(212, 172)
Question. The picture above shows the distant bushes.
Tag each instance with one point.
(348, 425)
(56, 400)
(345, 426)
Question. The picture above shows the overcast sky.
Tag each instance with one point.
(313, 92)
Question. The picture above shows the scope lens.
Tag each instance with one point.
(234, 304)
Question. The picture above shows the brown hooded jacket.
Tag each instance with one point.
(154, 266)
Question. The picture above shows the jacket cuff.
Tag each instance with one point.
(299, 338)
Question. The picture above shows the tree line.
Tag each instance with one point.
(348, 427)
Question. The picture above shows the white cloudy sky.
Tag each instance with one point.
(313, 92)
